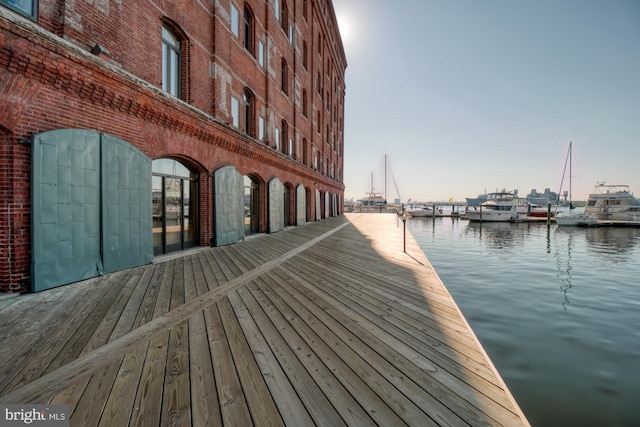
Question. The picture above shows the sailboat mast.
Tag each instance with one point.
(570, 173)
(385, 177)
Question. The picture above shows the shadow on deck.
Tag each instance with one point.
(329, 323)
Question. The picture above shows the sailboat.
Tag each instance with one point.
(572, 218)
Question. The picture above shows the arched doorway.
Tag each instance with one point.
(175, 206)
(251, 206)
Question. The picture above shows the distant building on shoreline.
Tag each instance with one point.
(542, 199)
(132, 129)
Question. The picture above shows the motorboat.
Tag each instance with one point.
(574, 219)
(613, 203)
(423, 211)
(500, 206)
(537, 211)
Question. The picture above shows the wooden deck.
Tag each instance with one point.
(330, 323)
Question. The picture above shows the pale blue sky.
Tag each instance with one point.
(465, 96)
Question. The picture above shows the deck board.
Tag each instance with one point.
(330, 323)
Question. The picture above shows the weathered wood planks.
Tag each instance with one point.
(330, 323)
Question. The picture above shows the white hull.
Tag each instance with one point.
(424, 211)
(491, 216)
(420, 212)
(573, 219)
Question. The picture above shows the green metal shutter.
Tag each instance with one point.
(65, 211)
(126, 206)
(228, 206)
(91, 207)
(276, 206)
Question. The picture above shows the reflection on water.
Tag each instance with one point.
(563, 259)
(557, 309)
(612, 240)
(499, 235)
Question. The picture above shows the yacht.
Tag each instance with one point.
(613, 203)
(500, 206)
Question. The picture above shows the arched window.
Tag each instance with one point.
(249, 31)
(305, 53)
(305, 110)
(285, 137)
(249, 109)
(175, 206)
(284, 17)
(171, 61)
(284, 76)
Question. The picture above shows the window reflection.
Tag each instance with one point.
(174, 200)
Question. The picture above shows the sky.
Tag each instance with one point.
(465, 97)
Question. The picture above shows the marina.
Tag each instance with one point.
(337, 322)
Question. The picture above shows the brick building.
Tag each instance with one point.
(130, 129)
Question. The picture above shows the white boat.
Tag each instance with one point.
(423, 211)
(572, 218)
(500, 206)
(613, 203)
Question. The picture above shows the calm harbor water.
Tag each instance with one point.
(557, 309)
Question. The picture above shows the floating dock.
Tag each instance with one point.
(330, 323)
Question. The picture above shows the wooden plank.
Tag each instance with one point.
(298, 399)
(148, 401)
(317, 374)
(333, 350)
(448, 334)
(119, 404)
(233, 406)
(176, 396)
(89, 409)
(261, 405)
(421, 370)
(205, 410)
(36, 356)
(446, 384)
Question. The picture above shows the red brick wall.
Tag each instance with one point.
(47, 84)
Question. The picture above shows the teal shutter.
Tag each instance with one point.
(228, 206)
(126, 206)
(65, 212)
(91, 207)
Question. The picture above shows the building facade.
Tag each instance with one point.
(130, 129)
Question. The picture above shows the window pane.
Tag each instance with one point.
(261, 128)
(173, 210)
(173, 73)
(165, 68)
(170, 62)
(261, 53)
(235, 112)
(26, 6)
(158, 212)
(235, 24)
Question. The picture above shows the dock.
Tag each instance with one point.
(330, 323)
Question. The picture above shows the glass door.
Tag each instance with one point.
(175, 207)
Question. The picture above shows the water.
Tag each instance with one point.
(557, 309)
